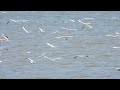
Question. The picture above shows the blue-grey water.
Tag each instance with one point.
(98, 47)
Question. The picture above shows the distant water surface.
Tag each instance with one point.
(96, 49)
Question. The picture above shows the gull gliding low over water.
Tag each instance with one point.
(25, 30)
(80, 56)
(3, 37)
(72, 20)
(52, 59)
(41, 30)
(31, 61)
(16, 21)
(68, 28)
(86, 24)
(51, 45)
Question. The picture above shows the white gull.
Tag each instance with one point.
(31, 61)
(3, 37)
(86, 24)
(41, 30)
(25, 30)
(50, 45)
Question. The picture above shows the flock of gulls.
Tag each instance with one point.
(5, 38)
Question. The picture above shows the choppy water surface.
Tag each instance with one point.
(60, 44)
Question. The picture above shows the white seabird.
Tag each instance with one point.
(72, 20)
(70, 29)
(87, 19)
(31, 61)
(110, 35)
(80, 56)
(117, 32)
(118, 69)
(116, 47)
(64, 36)
(50, 45)
(41, 30)
(17, 20)
(42, 55)
(52, 59)
(3, 37)
(86, 24)
(4, 12)
(25, 30)
(28, 52)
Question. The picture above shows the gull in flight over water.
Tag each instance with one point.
(28, 52)
(0, 61)
(80, 56)
(50, 45)
(118, 69)
(115, 18)
(60, 34)
(4, 12)
(116, 47)
(3, 37)
(72, 20)
(42, 55)
(41, 30)
(68, 28)
(86, 24)
(112, 35)
(64, 37)
(117, 32)
(87, 19)
(31, 61)
(52, 59)
(17, 20)
(56, 32)
(25, 30)
(11, 20)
